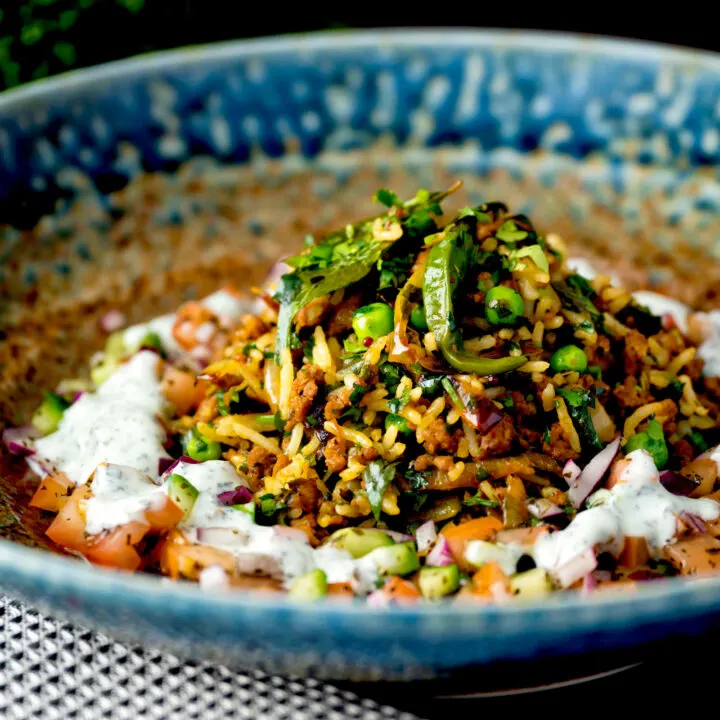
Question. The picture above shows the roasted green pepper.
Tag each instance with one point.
(445, 271)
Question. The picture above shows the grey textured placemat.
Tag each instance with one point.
(57, 671)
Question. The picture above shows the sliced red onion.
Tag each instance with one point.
(440, 554)
(220, 536)
(571, 471)
(239, 496)
(575, 569)
(541, 508)
(214, 578)
(167, 465)
(695, 522)
(425, 535)
(17, 439)
(113, 320)
(593, 473)
(291, 533)
(378, 599)
(78, 395)
(590, 583)
(676, 483)
(398, 537)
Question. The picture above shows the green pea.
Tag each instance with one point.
(373, 321)
(503, 306)
(652, 440)
(418, 319)
(200, 448)
(569, 357)
(400, 422)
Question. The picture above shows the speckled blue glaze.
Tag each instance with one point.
(496, 98)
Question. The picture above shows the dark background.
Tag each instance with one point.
(44, 37)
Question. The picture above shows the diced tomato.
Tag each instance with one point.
(165, 516)
(117, 548)
(490, 580)
(458, 536)
(400, 590)
(182, 389)
(635, 553)
(53, 492)
(68, 527)
(178, 558)
(188, 319)
(340, 590)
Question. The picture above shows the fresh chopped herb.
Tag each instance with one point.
(353, 414)
(390, 376)
(482, 474)
(358, 393)
(578, 400)
(308, 347)
(397, 404)
(697, 440)
(481, 217)
(509, 232)
(419, 499)
(387, 198)
(508, 403)
(311, 421)
(640, 318)
(222, 407)
(278, 422)
(418, 479)
(576, 300)
(431, 385)
(535, 253)
(378, 477)
(596, 372)
(579, 283)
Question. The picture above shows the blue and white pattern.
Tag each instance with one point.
(630, 122)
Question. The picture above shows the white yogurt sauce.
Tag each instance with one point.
(709, 351)
(121, 494)
(638, 506)
(117, 424)
(663, 305)
(226, 306)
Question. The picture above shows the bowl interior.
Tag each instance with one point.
(147, 182)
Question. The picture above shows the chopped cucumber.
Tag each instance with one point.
(360, 541)
(531, 584)
(182, 492)
(103, 367)
(115, 345)
(397, 559)
(47, 417)
(479, 552)
(437, 582)
(248, 508)
(310, 586)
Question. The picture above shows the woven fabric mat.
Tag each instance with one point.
(57, 671)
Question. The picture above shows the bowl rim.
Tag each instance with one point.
(384, 39)
(679, 599)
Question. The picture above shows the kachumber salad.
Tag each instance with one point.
(405, 412)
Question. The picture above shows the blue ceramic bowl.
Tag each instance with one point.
(145, 181)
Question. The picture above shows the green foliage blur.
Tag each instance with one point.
(45, 37)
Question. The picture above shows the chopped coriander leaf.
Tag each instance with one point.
(387, 198)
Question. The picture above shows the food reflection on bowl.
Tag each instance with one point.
(132, 190)
(411, 410)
